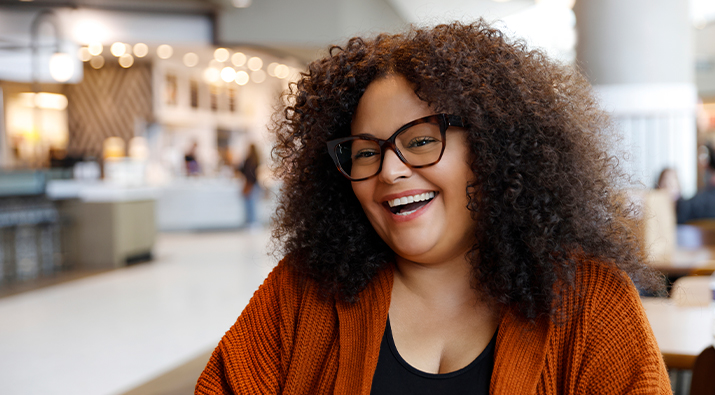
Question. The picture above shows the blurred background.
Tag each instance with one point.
(136, 193)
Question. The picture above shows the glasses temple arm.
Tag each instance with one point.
(455, 120)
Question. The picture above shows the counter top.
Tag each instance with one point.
(98, 191)
(682, 332)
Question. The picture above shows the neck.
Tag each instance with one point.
(447, 283)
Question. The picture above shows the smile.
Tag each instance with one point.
(407, 205)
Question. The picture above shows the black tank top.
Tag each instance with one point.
(395, 376)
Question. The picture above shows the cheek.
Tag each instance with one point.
(362, 192)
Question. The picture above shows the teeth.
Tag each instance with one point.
(407, 212)
(410, 199)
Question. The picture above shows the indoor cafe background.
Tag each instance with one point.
(125, 251)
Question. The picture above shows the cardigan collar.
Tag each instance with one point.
(520, 355)
(361, 327)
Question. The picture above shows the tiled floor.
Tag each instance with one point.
(112, 332)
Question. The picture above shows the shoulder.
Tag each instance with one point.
(286, 289)
(601, 295)
(605, 331)
(255, 355)
(604, 283)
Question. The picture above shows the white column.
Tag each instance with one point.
(4, 141)
(638, 54)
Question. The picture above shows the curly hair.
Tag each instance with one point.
(546, 182)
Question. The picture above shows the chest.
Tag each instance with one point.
(441, 340)
(395, 376)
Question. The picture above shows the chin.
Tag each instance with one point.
(416, 252)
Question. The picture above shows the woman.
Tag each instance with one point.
(251, 189)
(460, 234)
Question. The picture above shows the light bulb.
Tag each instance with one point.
(221, 54)
(61, 67)
(141, 50)
(164, 51)
(118, 49)
(191, 59)
(228, 74)
(126, 60)
(242, 78)
(255, 63)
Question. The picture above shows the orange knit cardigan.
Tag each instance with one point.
(292, 340)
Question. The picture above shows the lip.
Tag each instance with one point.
(411, 216)
(410, 192)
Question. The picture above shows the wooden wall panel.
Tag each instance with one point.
(107, 103)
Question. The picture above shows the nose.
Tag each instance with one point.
(393, 168)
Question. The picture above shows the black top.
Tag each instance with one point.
(702, 205)
(395, 376)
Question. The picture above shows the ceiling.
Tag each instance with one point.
(377, 15)
(163, 6)
(413, 11)
(430, 11)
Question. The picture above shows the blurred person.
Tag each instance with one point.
(251, 189)
(190, 161)
(702, 204)
(668, 181)
(461, 233)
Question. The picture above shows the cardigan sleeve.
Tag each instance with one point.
(248, 357)
(620, 354)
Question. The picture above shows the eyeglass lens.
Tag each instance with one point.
(420, 145)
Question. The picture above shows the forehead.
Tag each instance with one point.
(387, 104)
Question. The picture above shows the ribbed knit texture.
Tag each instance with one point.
(292, 340)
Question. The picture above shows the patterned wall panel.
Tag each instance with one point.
(107, 103)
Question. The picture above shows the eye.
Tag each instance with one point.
(365, 153)
(420, 141)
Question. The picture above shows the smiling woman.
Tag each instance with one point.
(450, 225)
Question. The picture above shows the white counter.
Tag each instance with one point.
(195, 203)
(206, 204)
(98, 191)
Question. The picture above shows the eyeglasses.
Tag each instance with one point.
(419, 143)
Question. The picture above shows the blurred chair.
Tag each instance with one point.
(691, 291)
(707, 270)
(702, 230)
(703, 382)
(696, 234)
(656, 228)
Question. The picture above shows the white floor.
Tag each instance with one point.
(108, 333)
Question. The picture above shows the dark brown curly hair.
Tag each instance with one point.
(545, 175)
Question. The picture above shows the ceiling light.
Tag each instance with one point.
(164, 51)
(242, 78)
(211, 75)
(238, 59)
(84, 55)
(97, 62)
(118, 49)
(191, 59)
(271, 69)
(282, 71)
(258, 76)
(228, 74)
(255, 63)
(126, 60)
(61, 67)
(141, 50)
(221, 54)
(95, 48)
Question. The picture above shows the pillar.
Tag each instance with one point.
(639, 56)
